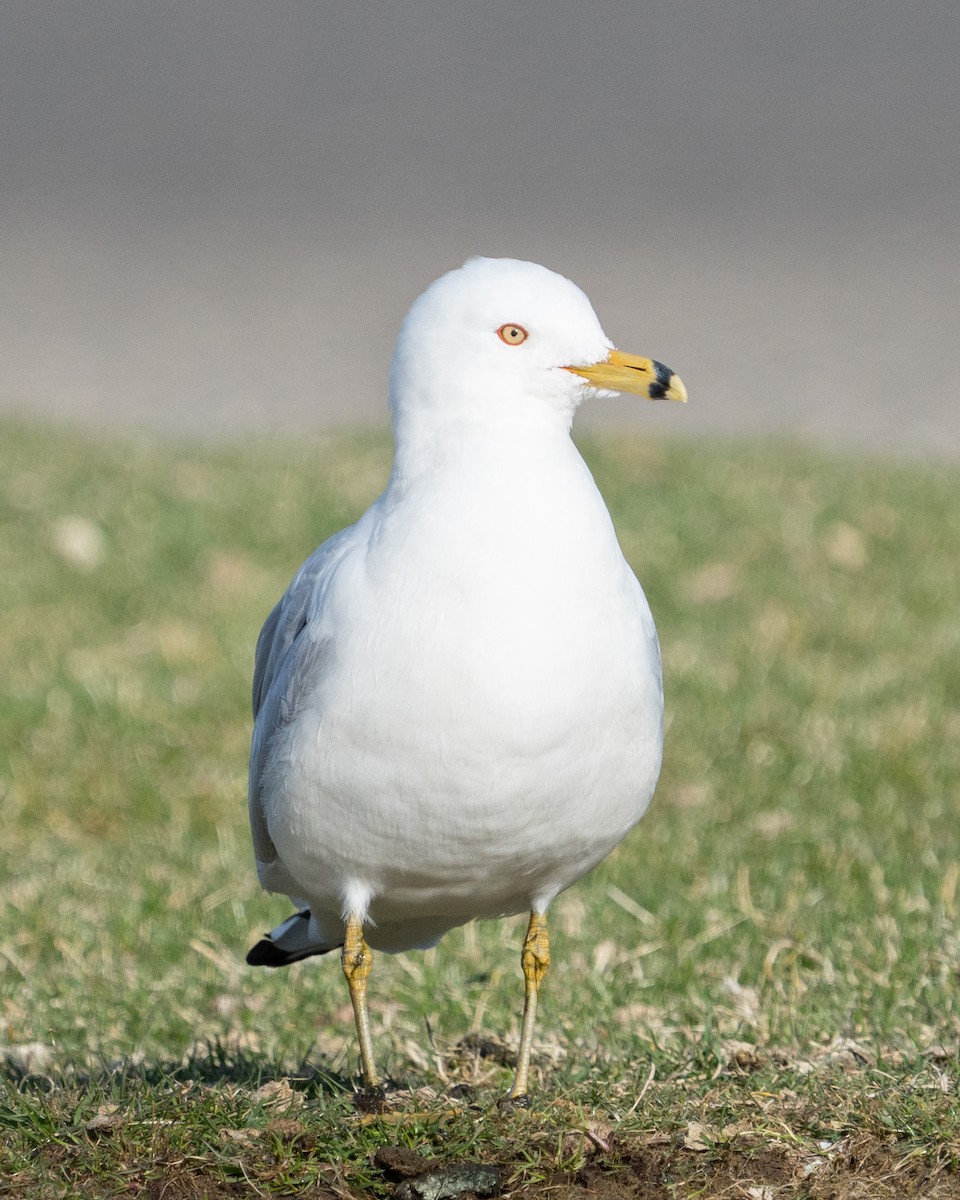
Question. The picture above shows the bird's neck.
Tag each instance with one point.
(434, 453)
(497, 494)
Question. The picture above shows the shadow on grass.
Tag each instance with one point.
(213, 1064)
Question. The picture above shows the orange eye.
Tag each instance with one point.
(513, 335)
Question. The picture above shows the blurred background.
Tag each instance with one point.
(214, 215)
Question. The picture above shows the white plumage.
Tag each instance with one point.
(458, 701)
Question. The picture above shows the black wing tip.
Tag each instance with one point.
(268, 954)
(270, 951)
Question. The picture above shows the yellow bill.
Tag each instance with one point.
(620, 372)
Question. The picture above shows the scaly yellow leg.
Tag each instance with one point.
(357, 962)
(535, 959)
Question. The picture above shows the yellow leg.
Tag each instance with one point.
(357, 962)
(535, 959)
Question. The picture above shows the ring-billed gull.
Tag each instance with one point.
(458, 704)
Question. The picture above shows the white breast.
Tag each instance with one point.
(488, 721)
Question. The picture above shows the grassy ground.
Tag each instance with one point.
(755, 996)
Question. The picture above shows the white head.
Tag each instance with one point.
(502, 340)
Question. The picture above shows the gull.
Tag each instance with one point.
(458, 708)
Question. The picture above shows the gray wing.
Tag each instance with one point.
(288, 661)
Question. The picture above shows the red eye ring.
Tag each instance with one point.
(512, 334)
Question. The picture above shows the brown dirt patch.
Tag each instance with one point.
(866, 1170)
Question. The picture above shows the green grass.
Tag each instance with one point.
(759, 988)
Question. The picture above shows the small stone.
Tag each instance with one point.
(400, 1161)
(80, 542)
(451, 1181)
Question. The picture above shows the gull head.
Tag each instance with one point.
(499, 340)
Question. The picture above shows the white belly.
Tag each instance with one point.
(470, 758)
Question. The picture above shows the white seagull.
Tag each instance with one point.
(458, 703)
